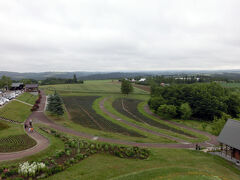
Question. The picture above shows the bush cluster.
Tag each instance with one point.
(37, 102)
(201, 101)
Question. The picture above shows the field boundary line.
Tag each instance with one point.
(23, 102)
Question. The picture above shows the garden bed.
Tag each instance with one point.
(128, 107)
(81, 111)
(15, 143)
(75, 151)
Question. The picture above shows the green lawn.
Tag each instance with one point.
(16, 111)
(98, 86)
(28, 98)
(201, 125)
(172, 164)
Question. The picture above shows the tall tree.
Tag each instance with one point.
(5, 81)
(55, 105)
(74, 78)
(126, 87)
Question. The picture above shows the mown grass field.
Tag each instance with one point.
(164, 164)
(102, 86)
(16, 111)
(28, 98)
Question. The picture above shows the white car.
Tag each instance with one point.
(1, 103)
(5, 99)
(238, 163)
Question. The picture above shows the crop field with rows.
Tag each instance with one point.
(81, 111)
(128, 107)
(14, 143)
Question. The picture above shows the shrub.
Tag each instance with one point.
(185, 111)
(168, 111)
(155, 102)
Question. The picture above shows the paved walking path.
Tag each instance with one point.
(43, 143)
(23, 102)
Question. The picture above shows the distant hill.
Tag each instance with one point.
(230, 74)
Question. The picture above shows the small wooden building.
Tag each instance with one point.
(17, 86)
(229, 139)
(31, 87)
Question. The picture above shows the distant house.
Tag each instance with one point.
(229, 139)
(16, 86)
(142, 79)
(31, 87)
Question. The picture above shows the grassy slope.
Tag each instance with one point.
(102, 86)
(16, 111)
(28, 98)
(163, 163)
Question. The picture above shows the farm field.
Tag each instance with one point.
(83, 112)
(28, 98)
(100, 86)
(15, 111)
(128, 107)
(120, 131)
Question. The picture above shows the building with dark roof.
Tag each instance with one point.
(31, 87)
(17, 86)
(230, 138)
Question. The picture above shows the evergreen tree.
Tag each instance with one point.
(55, 105)
(126, 87)
(74, 78)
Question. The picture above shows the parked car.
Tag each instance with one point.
(238, 163)
(1, 103)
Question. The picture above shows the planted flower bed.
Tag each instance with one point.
(75, 151)
(128, 107)
(16, 143)
(80, 108)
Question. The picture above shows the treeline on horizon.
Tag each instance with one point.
(7, 81)
(186, 79)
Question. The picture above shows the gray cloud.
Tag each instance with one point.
(103, 35)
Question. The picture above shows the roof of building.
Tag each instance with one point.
(230, 134)
(31, 85)
(16, 84)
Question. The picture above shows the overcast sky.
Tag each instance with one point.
(119, 35)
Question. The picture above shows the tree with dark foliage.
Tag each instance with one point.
(126, 87)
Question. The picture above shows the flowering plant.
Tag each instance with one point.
(26, 169)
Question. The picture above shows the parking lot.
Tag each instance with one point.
(7, 96)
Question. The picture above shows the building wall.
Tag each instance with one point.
(237, 154)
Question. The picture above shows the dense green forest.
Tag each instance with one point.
(204, 101)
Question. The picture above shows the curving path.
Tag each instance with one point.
(43, 143)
